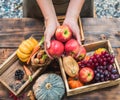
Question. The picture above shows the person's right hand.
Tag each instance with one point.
(50, 28)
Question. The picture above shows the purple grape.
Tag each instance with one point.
(111, 61)
(92, 57)
(108, 58)
(108, 75)
(112, 56)
(101, 67)
(102, 80)
(110, 67)
(104, 59)
(101, 60)
(92, 64)
(106, 78)
(97, 74)
(90, 61)
(82, 66)
(88, 64)
(97, 56)
(97, 79)
(98, 70)
(107, 55)
(96, 64)
(117, 76)
(95, 60)
(85, 62)
(102, 56)
(112, 77)
(113, 71)
(104, 67)
(103, 53)
(104, 63)
(106, 72)
(101, 71)
(101, 76)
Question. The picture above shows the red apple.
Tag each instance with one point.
(86, 74)
(72, 47)
(63, 33)
(56, 48)
(82, 53)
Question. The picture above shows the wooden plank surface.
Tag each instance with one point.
(13, 31)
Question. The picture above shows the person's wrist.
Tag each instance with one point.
(51, 21)
(71, 18)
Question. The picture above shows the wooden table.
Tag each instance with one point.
(13, 31)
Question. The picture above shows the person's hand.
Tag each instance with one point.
(50, 28)
(72, 23)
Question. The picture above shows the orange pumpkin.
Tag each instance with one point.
(74, 82)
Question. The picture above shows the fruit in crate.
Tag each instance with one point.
(49, 87)
(86, 74)
(82, 54)
(74, 82)
(25, 48)
(102, 59)
(99, 51)
(40, 58)
(56, 48)
(70, 66)
(72, 47)
(63, 33)
(19, 74)
(105, 73)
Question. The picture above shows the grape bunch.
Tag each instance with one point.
(105, 73)
(103, 59)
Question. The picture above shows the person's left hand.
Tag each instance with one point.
(51, 26)
(72, 23)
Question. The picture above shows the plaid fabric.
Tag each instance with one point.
(32, 10)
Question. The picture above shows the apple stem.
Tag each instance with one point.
(65, 31)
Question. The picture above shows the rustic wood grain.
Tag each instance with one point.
(94, 28)
(24, 28)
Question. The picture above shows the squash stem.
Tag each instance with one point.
(48, 86)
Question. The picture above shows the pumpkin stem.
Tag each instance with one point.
(48, 86)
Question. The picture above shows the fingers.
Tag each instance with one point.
(73, 25)
(49, 32)
(47, 42)
(76, 33)
(47, 51)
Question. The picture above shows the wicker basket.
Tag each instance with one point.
(35, 66)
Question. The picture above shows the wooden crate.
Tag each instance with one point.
(91, 47)
(7, 71)
(61, 19)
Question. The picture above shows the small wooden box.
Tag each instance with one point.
(91, 47)
(7, 71)
(61, 19)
